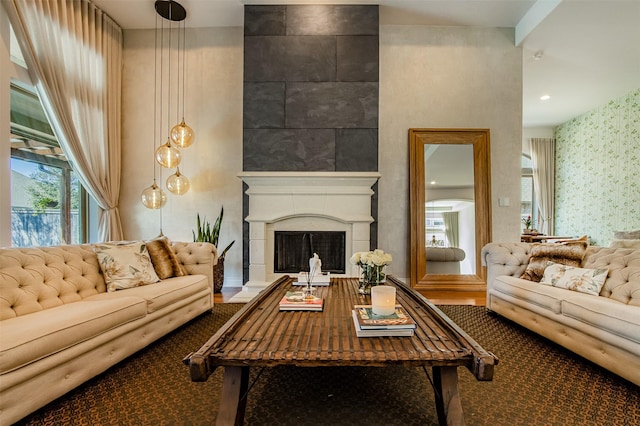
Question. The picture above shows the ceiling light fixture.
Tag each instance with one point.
(538, 55)
(545, 97)
(167, 155)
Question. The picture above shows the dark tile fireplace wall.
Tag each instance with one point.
(310, 92)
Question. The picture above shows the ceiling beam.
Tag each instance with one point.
(534, 16)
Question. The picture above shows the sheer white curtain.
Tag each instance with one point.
(451, 231)
(74, 55)
(543, 159)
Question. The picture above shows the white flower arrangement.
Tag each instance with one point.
(376, 257)
(372, 264)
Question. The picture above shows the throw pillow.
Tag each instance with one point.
(568, 253)
(626, 235)
(635, 244)
(125, 265)
(165, 262)
(589, 281)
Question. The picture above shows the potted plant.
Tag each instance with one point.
(526, 221)
(210, 234)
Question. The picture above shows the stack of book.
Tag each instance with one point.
(297, 301)
(369, 324)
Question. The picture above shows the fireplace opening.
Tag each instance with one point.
(294, 248)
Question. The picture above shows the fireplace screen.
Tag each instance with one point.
(294, 248)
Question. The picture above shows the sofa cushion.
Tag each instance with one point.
(588, 281)
(125, 264)
(566, 253)
(604, 314)
(541, 295)
(28, 338)
(165, 262)
(164, 293)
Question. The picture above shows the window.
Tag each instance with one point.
(527, 203)
(434, 226)
(46, 197)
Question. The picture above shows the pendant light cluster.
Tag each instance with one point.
(168, 155)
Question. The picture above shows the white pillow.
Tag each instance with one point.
(125, 265)
(589, 281)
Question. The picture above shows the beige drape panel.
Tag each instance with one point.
(543, 158)
(74, 55)
(452, 228)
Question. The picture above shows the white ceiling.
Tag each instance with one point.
(591, 47)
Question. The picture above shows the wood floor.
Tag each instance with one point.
(226, 294)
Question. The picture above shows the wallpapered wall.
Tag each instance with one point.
(598, 171)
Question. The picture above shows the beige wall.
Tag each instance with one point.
(429, 77)
(447, 77)
(214, 110)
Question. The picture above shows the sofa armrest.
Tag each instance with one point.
(505, 259)
(197, 258)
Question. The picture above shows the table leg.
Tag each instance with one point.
(448, 404)
(233, 401)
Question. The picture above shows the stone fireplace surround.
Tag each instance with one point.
(305, 201)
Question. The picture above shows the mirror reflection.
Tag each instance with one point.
(449, 208)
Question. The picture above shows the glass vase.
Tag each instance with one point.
(370, 276)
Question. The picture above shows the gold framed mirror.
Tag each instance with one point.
(450, 212)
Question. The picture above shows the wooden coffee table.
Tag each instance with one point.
(260, 335)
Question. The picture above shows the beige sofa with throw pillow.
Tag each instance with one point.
(68, 313)
(600, 324)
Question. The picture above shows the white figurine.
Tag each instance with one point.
(315, 265)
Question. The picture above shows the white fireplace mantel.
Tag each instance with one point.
(303, 201)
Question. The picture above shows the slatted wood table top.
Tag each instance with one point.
(262, 335)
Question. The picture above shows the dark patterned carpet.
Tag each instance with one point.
(536, 383)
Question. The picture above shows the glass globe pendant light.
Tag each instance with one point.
(154, 197)
(182, 135)
(178, 183)
(168, 156)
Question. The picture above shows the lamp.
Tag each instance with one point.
(182, 135)
(154, 197)
(177, 183)
(167, 155)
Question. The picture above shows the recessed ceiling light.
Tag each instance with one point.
(538, 55)
(545, 97)
(433, 182)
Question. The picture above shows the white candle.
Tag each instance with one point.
(383, 299)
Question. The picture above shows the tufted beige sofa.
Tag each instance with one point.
(60, 327)
(444, 260)
(604, 329)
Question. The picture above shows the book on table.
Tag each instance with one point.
(367, 320)
(296, 301)
(380, 332)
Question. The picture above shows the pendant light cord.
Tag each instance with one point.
(184, 60)
(155, 98)
(169, 81)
